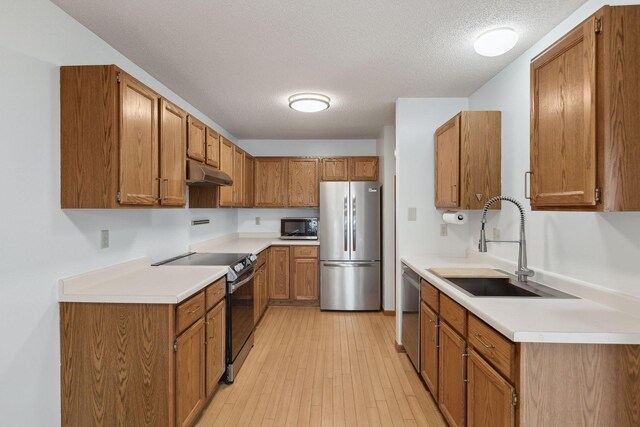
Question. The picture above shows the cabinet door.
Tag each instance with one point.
(448, 164)
(197, 136)
(429, 348)
(213, 148)
(451, 392)
(226, 165)
(363, 168)
(264, 290)
(258, 285)
(304, 183)
(279, 274)
(489, 396)
(270, 182)
(563, 121)
(238, 176)
(335, 169)
(173, 143)
(215, 345)
(249, 169)
(190, 374)
(138, 143)
(305, 279)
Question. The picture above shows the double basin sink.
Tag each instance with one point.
(503, 287)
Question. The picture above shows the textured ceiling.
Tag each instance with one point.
(238, 60)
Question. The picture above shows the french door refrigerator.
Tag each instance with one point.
(349, 232)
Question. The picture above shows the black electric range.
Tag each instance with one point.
(240, 301)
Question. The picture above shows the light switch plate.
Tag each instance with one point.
(258, 219)
(444, 230)
(496, 233)
(104, 239)
(412, 214)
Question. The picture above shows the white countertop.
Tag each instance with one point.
(550, 320)
(137, 281)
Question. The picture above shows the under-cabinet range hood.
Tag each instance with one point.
(199, 174)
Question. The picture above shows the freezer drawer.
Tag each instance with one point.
(349, 285)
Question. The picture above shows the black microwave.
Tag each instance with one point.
(299, 228)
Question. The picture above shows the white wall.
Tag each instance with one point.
(40, 242)
(600, 248)
(386, 145)
(269, 219)
(416, 122)
(309, 147)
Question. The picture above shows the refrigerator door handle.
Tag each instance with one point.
(348, 264)
(345, 225)
(353, 223)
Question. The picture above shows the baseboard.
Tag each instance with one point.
(400, 348)
(290, 303)
(389, 312)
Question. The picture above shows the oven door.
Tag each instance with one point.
(240, 301)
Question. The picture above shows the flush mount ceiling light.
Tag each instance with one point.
(496, 42)
(309, 102)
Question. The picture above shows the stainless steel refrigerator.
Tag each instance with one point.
(349, 232)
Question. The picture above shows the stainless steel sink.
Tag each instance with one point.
(504, 287)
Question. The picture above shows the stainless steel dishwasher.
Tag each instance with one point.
(411, 315)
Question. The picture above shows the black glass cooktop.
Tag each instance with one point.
(205, 259)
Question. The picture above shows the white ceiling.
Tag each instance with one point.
(238, 60)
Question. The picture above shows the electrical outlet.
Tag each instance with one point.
(444, 230)
(104, 239)
(496, 233)
(258, 219)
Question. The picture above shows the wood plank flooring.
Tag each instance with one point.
(315, 368)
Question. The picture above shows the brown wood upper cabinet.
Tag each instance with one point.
(173, 138)
(248, 168)
(227, 166)
(213, 148)
(270, 182)
(584, 128)
(238, 176)
(335, 169)
(304, 182)
(196, 143)
(119, 145)
(468, 168)
(363, 168)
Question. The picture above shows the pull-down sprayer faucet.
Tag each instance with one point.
(523, 272)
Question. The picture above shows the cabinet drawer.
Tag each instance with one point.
(305, 252)
(454, 314)
(497, 349)
(189, 311)
(215, 292)
(430, 295)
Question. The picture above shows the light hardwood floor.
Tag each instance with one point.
(324, 368)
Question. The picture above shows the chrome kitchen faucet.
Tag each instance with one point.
(523, 272)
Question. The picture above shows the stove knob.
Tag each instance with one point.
(238, 268)
(252, 257)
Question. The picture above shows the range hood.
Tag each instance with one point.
(203, 175)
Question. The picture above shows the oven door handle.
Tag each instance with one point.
(242, 282)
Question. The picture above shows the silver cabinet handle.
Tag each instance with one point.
(466, 380)
(525, 185)
(345, 225)
(353, 223)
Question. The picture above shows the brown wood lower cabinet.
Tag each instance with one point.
(294, 273)
(190, 374)
(261, 286)
(429, 325)
(452, 368)
(215, 345)
(490, 397)
(128, 364)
